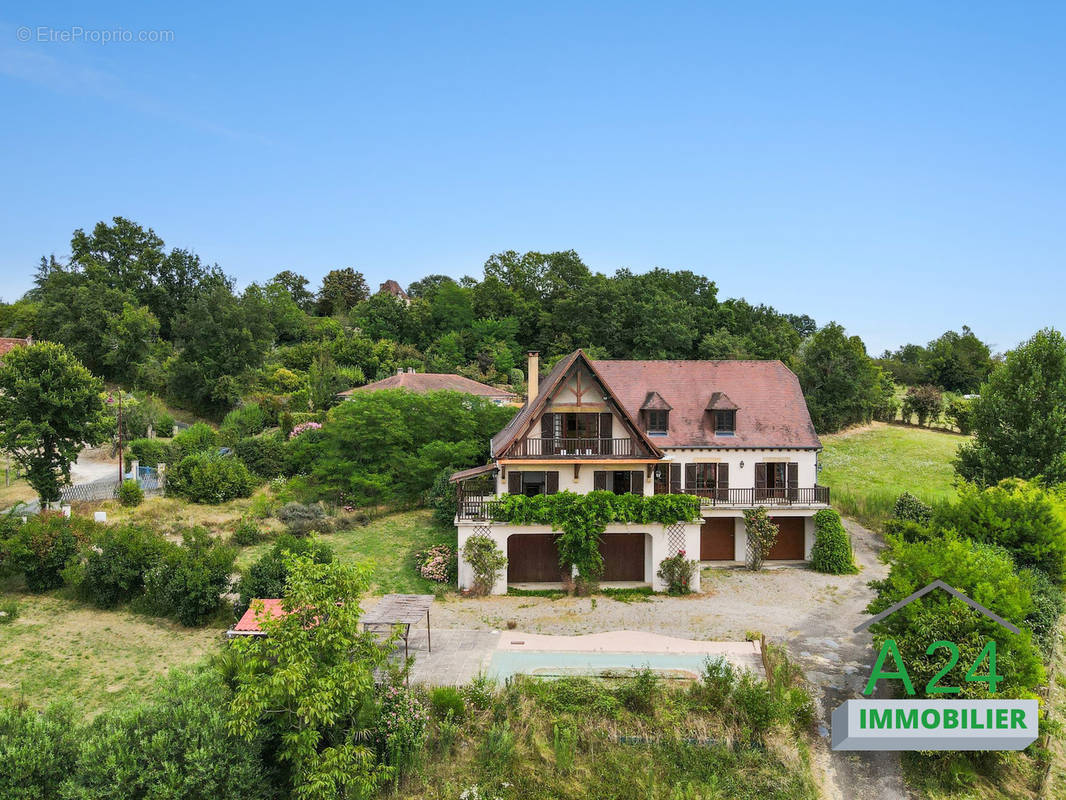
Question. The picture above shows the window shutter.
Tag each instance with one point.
(514, 483)
(793, 475)
(547, 426)
(636, 481)
(606, 423)
(675, 479)
(599, 480)
(551, 482)
(690, 476)
(760, 476)
(723, 476)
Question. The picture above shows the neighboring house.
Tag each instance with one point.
(431, 381)
(8, 344)
(735, 433)
(393, 288)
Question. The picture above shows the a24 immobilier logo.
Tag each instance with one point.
(870, 724)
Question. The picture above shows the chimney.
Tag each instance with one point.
(399, 370)
(533, 377)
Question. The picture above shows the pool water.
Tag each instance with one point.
(671, 666)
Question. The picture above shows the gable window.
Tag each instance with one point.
(725, 423)
(658, 421)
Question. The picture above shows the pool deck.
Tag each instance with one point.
(460, 655)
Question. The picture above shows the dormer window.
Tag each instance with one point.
(725, 422)
(658, 421)
(656, 412)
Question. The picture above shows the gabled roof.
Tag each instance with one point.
(431, 381)
(530, 411)
(249, 621)
(654, 402)
(720, 402)
(771, 409)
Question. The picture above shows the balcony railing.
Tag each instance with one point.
(484, 508)
(576, 447)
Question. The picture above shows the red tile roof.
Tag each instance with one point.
(249, 622)
(771, 410)
(429, 382)
(8, 344)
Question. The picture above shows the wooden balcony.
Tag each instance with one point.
(576, 448)
(484, 507)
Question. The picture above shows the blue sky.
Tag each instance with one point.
(897, 168)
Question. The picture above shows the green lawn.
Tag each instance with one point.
(867, 469)
(389, 543)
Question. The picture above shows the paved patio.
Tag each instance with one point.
(457, 657)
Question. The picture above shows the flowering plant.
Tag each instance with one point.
(677, 573)
(401, 726)
(304, 427)
(434, 563)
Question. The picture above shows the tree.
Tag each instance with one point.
(50, 408)
(130, 337)
(842, 385)
(925, 402)
(957, 362)
(342, 290)
(296, 286)
(324, 381)
(309, 684)
(1019, 420)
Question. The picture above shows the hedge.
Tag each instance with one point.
(832, 545)
(209, 478)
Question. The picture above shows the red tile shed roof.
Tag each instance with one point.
(771, 410)
(249, 622)
(8, 344)
(430, 382)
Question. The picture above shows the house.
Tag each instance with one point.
(422, 382)
(392, 287)
(737, 434)
(7, 344)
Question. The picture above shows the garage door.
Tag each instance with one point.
(623, 556)
(789, 544)
(532, 558)
(717, 539)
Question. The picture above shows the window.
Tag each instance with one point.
(725, 423)
(704, 476)
(658, 421)
(707, 480)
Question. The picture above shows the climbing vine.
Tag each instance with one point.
(582, 519)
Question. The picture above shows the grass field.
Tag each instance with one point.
(867, 468)
(389, 543)
(59, 649)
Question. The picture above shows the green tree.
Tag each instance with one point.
(324, 380)
(309, 684)
(957, 362)
(1019, 420)
(296, 286)
(129, 339)
(50, 408)
(842, 385)
(341, 290)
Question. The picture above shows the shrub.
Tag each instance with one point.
(762, 534)
(304, 427)
(302, 518)
(435, 563)
(1048, 604)
(189, 580)
(41, 547)
(112, 569)
(401, 727)
(263, 455)
(677, 573)
(266, 577)
(831, 552)
(37, 751)
(716, 684)
(1015, 515)
(148, 452)
(447, 702)
(209, 478)
(246, 533)
(485, 560)
(243, 422)
(638, 694)
(130, 493)
(9, 610)
(909, 507)
(923, 401)
(960, 413)
(164, 426)
(442, 497)
(198, 438)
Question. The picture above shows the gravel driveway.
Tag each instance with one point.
(813, 614)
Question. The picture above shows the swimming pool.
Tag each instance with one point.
(671, 666)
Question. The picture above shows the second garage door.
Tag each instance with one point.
(532, 558)
(789, 544)
(717, 538)
(623, 556)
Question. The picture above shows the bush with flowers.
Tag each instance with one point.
(402, 726)
(435, 563)
(303, 427)
(677, 573)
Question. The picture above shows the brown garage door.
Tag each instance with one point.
(532, 558)
(623, 556)
(789, 544)
(717, 539)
